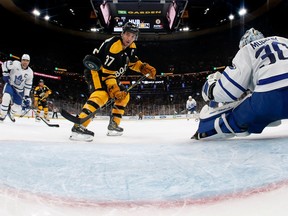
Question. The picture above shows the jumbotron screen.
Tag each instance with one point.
(150, 16)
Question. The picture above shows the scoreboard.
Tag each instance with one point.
(150, 16)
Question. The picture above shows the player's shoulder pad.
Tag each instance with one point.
(132, 46)
(116, 47)
(15, 63)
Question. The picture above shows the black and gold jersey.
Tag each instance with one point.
(41, 92)
(115, 59)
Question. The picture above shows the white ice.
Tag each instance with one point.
(153, 169)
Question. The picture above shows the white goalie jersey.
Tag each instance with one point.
(259, 66)
(20, 79)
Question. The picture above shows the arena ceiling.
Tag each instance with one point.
(84, 18)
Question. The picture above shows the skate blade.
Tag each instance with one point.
(81, 137)
(114, 133)
(195, 136)
(11, 118)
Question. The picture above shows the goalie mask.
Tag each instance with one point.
(249, 36)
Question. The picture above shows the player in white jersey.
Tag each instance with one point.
(191, 105)
(18, 78)
(260, 66)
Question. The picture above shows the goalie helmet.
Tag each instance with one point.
(249, 36)
(131, 27)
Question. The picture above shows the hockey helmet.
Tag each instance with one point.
(41, 81)
(249, 36)
(131, 27)
(25, 57)
(190, 97)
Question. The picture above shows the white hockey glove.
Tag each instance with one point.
(207, 89)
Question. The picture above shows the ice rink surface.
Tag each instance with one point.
(153, 169)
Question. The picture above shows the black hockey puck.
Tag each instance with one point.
(91, 62)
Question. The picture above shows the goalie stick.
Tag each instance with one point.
(78, 120)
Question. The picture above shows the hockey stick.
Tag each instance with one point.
(22, 115)
(78, 120)
(47, 123)
(50, 125)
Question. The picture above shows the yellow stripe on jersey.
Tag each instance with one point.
(132, 46)
(96, 79)
(108, 74)
(116, 47)
(107, 71)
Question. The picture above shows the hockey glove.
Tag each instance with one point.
(43, 96)
(6, 79)
(120, 95)
(115, 92)
(207, 89)
(26, 103)
(148, 69)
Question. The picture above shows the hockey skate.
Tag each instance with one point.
(198, 136)
(114, 129)
(2, 118)
(37, 118)
(80, 133)
(11, 116)
(46, 119)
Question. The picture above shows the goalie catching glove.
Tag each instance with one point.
(207, 89)
(115, 92)
(148, 69)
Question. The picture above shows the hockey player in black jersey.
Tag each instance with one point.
(41, 93)
(113, 58)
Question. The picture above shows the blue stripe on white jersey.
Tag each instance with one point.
(229, 88)
(233, 82)
(226, 91)
(273, 79)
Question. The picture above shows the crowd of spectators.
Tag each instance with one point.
(182, 67)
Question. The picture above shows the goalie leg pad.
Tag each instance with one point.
(223, 126)
(211, 112)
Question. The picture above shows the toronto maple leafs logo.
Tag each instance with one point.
(18, 80)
